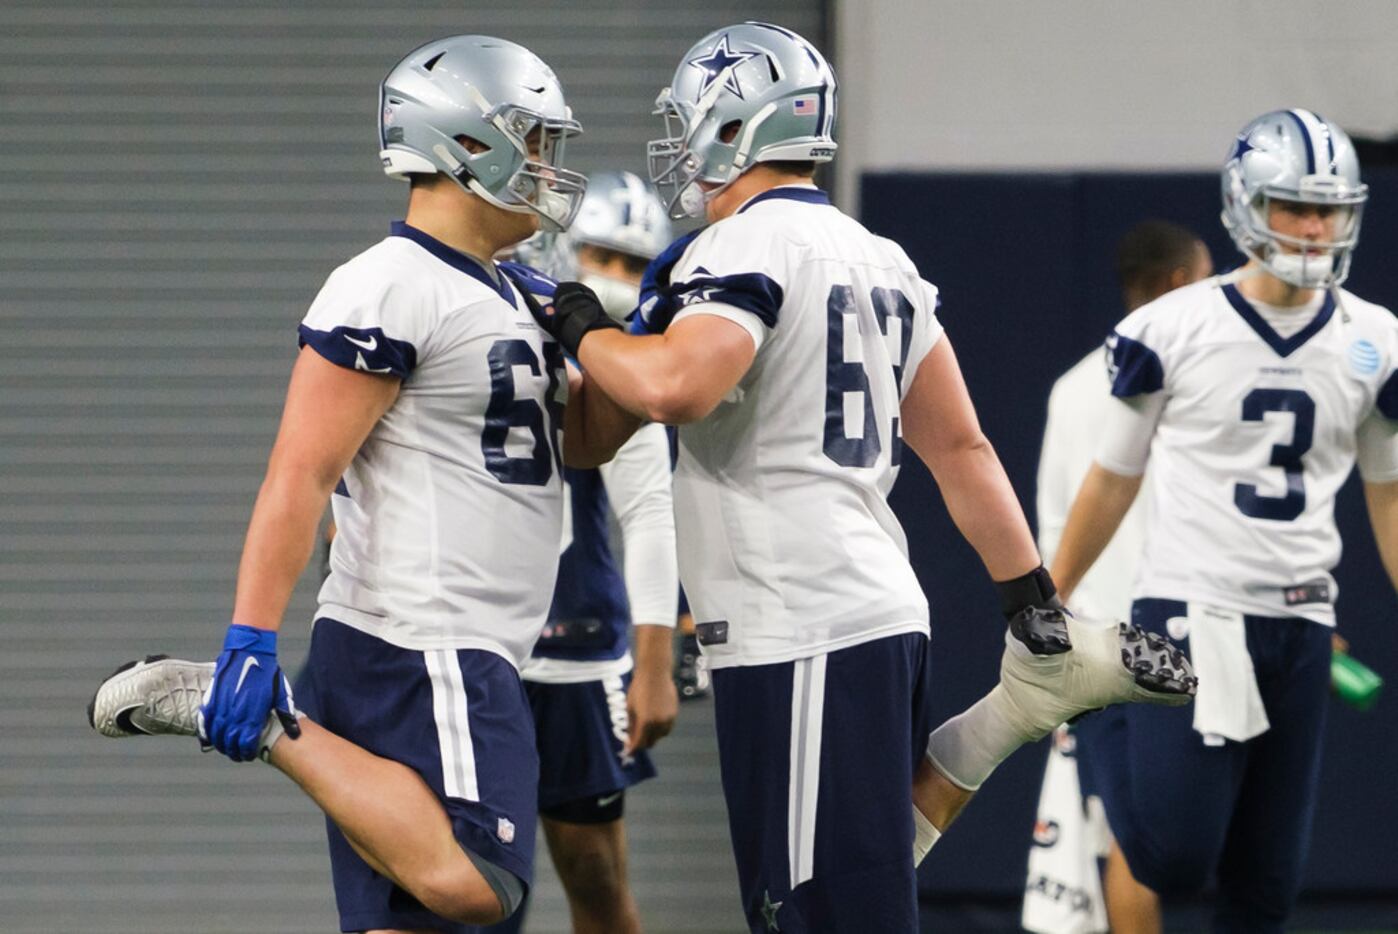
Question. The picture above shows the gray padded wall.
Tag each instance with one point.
(176, 180)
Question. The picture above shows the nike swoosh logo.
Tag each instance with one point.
(370, 345)
(603, 802)
(247, 666)
(538, 90)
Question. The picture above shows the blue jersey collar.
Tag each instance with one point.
(455, 259)
(806, 193)
(1284, 346)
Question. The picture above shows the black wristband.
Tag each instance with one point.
(1033, 589)
(576, 311)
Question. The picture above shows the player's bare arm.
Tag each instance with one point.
(594, 426)
(329, 412)
(673, 378)
(652, 703)
(940, 424)
(1382, 500)
(1102, 502)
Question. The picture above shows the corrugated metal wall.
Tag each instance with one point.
(176, 180)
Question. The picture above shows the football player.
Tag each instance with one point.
(1251, 396)
(1153, 257)
(424, 405)
(796, 350)
(594, 715)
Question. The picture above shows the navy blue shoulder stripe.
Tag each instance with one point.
(1133, 368)
(368, 350)
(750, 291)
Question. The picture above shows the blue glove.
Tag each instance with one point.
(247, 685)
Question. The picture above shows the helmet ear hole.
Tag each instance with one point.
(729, 131)
(472, 145)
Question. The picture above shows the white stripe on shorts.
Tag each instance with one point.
(807, 713)
(453, 725)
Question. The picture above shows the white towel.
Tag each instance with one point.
(1063, 894)
(1228, 705)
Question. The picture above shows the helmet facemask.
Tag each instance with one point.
(680, 160)
(540, 184)
(1304, 263)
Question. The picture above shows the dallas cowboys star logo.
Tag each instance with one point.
(769, 911)
(1240, 147)
(720, 64)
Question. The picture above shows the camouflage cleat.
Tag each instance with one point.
(158, 695)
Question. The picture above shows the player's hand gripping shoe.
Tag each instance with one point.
(250, 698)
(1110, 663)
(155, 696)
(249, 702)
(1057, 666)
(1054, 667)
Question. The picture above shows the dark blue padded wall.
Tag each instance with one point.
(1024, 263)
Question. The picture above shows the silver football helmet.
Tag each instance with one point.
(1293, 156)
(622, 213)
(745, 94)
(497, 94)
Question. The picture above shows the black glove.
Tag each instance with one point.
(1035, 613)
(574, 312)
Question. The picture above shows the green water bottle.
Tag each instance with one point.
(1356, 683)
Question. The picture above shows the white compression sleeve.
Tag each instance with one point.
(639, 489)
(1127, 433)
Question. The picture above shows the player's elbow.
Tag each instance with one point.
(945, 452)
(676, 401)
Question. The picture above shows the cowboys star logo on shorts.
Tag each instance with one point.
(720, 64)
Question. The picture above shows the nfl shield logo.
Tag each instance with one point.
(505, 830)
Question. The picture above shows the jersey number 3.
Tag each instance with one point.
(845, 379)
(505, 411)
(1256, 404)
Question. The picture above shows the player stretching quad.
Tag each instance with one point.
(594, 716)
(797, 350)
(427, 399)
(1252, 395)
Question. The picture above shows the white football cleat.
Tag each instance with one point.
(1110, 663)
(160, 695)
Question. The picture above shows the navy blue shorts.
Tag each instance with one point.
(1183, 811)
(817, 757)
(581, 731)
(460, 719)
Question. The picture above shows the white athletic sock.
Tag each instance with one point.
(925, 836)
(272, 732)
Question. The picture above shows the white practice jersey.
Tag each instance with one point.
(1256, 435)
(788, 547)
(449, 516)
